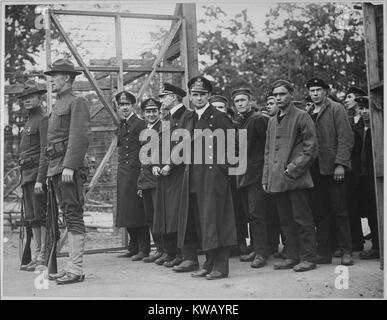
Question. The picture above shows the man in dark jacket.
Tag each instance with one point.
(291, 146)
(67, 143)
(130, 210)
(33, 168)
(206, 209)
(367, 181)
(352, 178)
(147, 182)
(335, 139)
(169, 177)
(254, 199)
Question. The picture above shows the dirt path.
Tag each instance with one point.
(109, 276)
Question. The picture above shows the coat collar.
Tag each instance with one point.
(208, 112)
(179, 112)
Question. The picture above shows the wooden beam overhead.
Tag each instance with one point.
(113, 14)
(164, 69)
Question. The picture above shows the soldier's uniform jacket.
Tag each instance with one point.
(169, 187)
(130, 211)
(68, 133)
(290, 144)
(146, 180)
(335, 137)
(256, 125)
(212, 186)
(32, 160)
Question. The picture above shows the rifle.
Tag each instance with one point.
(25, 255)
(52, 228)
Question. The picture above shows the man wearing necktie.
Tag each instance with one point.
(169, 178)
(130, 210)
(207, 218)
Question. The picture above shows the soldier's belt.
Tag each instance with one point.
(56, 150)
(30, 162)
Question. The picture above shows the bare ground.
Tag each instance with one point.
(112, 277)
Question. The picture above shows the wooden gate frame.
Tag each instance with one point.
(184, 22)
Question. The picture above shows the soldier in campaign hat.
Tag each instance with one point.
(67, 143)
(33, 167)
(130, 210)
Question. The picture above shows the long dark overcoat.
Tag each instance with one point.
(211, 184)
(130, 210)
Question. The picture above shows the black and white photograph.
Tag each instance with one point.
(183, 151)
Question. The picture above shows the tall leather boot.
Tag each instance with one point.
(74, 267)
(41, 255)
(36, 234)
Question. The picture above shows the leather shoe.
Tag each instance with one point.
(304, 266)
(338, 253)
(165, 257)
(186, 266)
(200, 274)
(127, 255)
(243, 249)
(173, 263)
(346, 260)
(24, 267)
(259, 261)
(279, 255)
(139, 256)
(370, 254)
(323, 260)
(247, 257)
(70, 278)
(214, 275)
(152, 257)
(54, 276)
(286, 264)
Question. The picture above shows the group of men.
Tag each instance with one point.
(308, 178)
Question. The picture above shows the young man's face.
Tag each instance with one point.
(31, 101)
(317, 94)
(282, 97)
(58, 82)
(125, 109)
(242, 103)
(350, 101)
(219, 105)
(151, 115)
(271, 107)
(365, 113)
(199, 99)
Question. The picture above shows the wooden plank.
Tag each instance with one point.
(164, 69)
(77, 86)
(103, 128)
(189, 14)
(113, 14)
(101, 166)
(126, 62)
(184, 58)
(47, 41)
(89, 76)
(120, 81)
(160, 56)
(376, 114)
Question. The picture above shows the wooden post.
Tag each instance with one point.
(47, 25)
(120, 82)
(189, 14)
(376, 114)
(88, 74)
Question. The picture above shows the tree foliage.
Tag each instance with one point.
(303, 41)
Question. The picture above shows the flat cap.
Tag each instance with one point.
(362, 101)
(169, 88)
(283, 83)
(125, 97)
(150, 103)
(316, 82)
(356, 90)
(269, 95)
(62, 66)
(245, 91)
(218, 98)
(200, 84)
